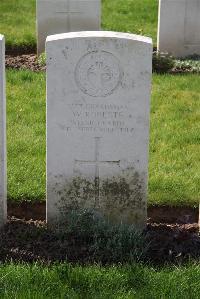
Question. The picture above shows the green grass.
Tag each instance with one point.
(95, 282)
(26, 135)
(17, 19)
(174, 148)
(174, 168)
(135, 16)
(17, 22)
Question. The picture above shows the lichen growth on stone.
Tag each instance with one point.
(119, 198)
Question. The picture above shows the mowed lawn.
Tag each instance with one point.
(95, 282)
(174, 165)
(18, 19)
(17, 22)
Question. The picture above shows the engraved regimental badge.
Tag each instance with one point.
(98, 73)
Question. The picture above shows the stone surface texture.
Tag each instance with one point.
(179, 27)
(3, 202)
(60, 16)
(98, 103)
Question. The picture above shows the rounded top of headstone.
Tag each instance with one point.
(1, 37)
(99, 34)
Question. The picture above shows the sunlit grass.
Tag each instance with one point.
(135, 16)
(18, 19)
(175, 140)
(89, 282)
(17, 23)
(26, 135)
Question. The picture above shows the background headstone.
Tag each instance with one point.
(179, 27)
(98, 102)
(60, 16)
(3, 202)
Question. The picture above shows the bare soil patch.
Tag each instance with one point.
(20, 50)
(172, 234)
(18, 60)
(27, 210)
(157, 214)
(31, 241)
(25, 61)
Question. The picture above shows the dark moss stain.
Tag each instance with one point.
(124, 191)
(120, 189)
(78, 192)
(120, 198)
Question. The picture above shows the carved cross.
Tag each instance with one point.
(68, 12)
(97, 163)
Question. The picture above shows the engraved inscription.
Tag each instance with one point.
(100, 118)
(97, 163)
(98, 73)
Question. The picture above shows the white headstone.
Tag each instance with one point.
(60, 16)
(179, 27)
(3, 203)
(98, 102)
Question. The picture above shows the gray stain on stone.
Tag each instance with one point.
(121, 198)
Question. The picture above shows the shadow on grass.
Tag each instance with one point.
(21, 49)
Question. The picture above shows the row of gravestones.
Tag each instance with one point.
(98, 94)
(178, 29)
(98, 102)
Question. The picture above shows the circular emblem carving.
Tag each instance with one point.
(98, 73)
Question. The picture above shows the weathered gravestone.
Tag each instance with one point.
(60, 16)
(98, 98)
(3, 203)
(179, 27)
